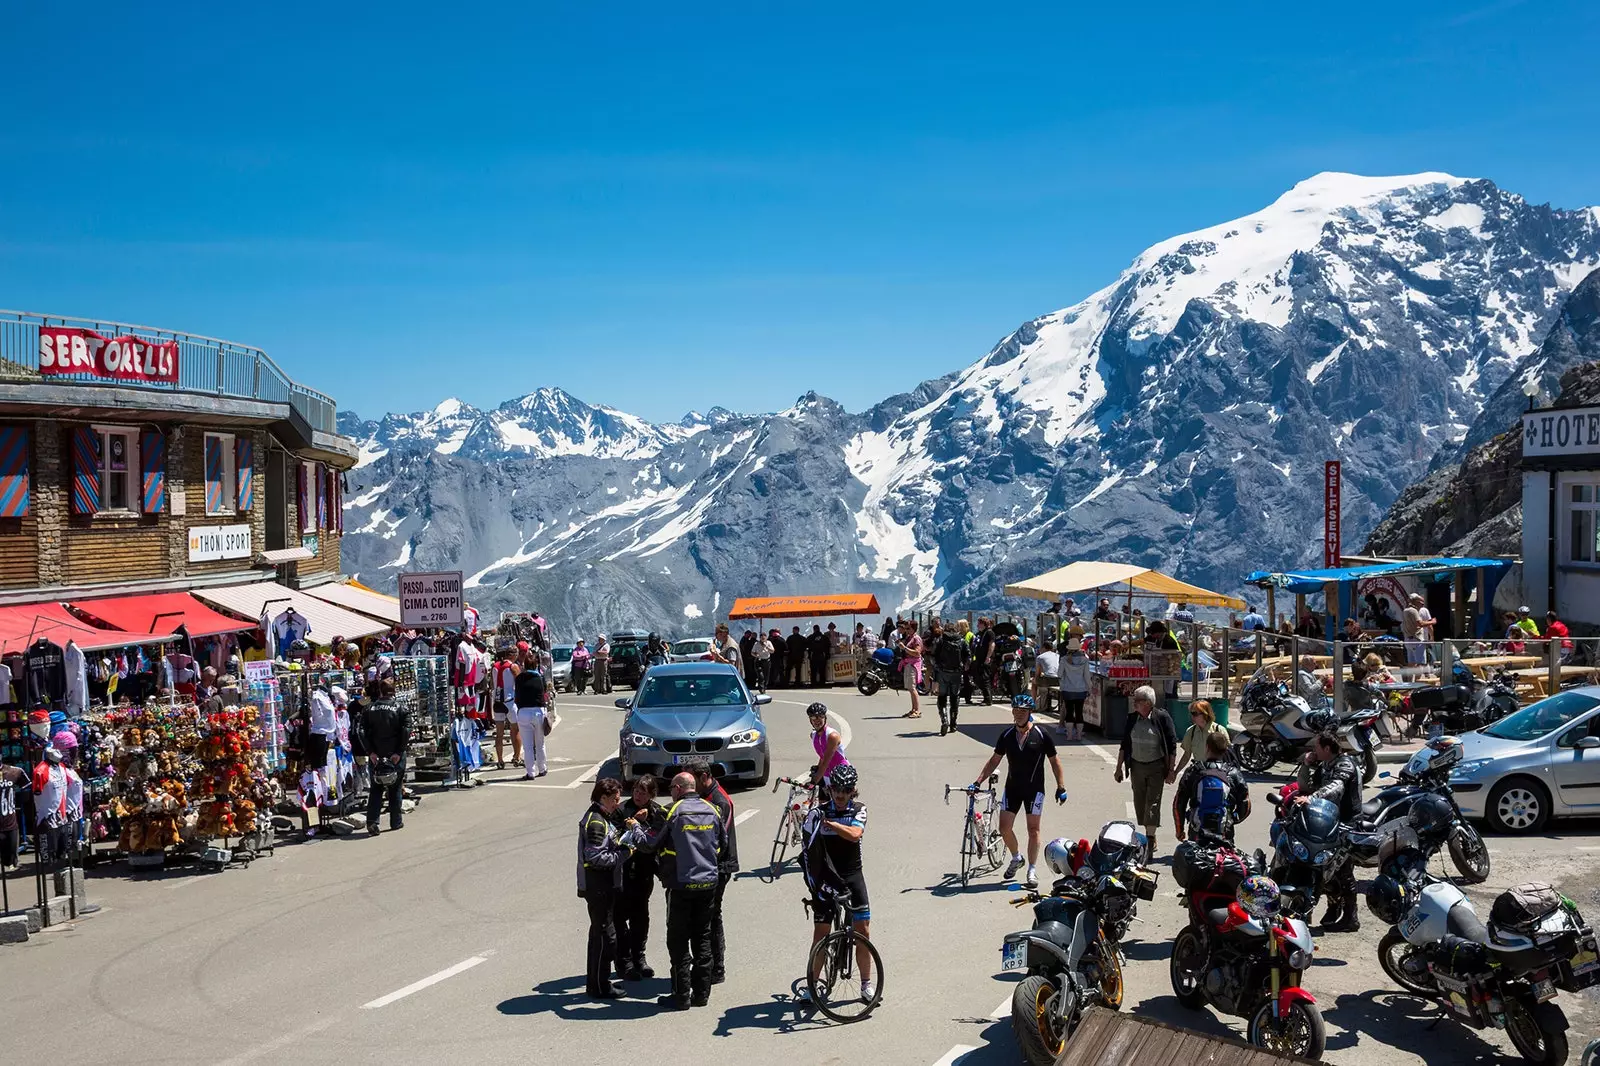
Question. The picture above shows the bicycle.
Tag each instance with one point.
(791, 821)
(979, 837)
(832, 969)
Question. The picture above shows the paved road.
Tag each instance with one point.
(460, 939)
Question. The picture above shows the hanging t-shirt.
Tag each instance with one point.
(6, 696)
(59, 792)
(287, 628)
(77, 679)
(323, 720)
(469, 620)
(46, 668)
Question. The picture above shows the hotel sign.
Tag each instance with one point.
(1564, 432)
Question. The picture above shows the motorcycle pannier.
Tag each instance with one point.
(1204, 867)
(1520, 909)
(1440, 697)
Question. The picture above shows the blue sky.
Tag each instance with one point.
(666, 207)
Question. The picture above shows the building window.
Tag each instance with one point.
(1583, 531)
(117, 463)
(219, 459)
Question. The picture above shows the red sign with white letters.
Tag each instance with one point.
(63, 350)
(1331, 549)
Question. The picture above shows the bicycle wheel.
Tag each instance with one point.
(780, 847)
(836, 988)
(997, 848)
(971, 848)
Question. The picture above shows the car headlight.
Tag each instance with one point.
(1300, 851)
(749, 736)
(1299, 960)
(639, 740)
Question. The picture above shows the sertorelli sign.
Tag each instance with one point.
(1569, 431)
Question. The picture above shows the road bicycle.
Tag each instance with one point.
(791, 821)
(982, 847)
(833, 969)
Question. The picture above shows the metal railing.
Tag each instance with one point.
(205, 364)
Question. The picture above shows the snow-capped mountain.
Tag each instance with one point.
(1178, 417)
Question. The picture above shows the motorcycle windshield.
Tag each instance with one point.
(1318, 820)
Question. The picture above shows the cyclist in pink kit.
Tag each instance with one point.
(828, 744)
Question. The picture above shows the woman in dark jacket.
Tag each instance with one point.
(1149, 756)
(638, 881)
(601, 855)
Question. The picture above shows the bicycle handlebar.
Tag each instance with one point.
(807, 785)
(971, 790)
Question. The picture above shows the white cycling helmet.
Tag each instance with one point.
(1058, 856)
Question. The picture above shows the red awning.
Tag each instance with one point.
(160, 614)
(21, 626)
(803, 606)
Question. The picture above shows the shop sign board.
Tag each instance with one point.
(1128, 671)
(64, 351)
(207, 543)
(1572, 431)
(258, 671)
(431, 600)
(1332, 551)
(842, 669)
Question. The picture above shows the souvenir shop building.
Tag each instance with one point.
(141, 460)
(1561, 512)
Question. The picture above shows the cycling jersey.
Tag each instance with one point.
(1026, 754)
(832, 865)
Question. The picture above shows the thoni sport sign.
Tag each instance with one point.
(431, 601)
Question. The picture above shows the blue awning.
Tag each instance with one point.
(1317, 580)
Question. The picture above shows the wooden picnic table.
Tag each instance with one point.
(1483, 664)
(1539, 677)
(1246, 665)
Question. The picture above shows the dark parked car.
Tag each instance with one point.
(627, 664)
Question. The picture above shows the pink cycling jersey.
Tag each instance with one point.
(819, 741)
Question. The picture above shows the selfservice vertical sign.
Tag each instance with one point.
(1331, 552)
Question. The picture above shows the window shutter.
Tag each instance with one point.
(244, 461)
(302, 499)
(14, 455)
(322, 496)
(85, 470)
(338, 502)
(153, 471)
(213, 457)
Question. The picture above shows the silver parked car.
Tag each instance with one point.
(694, 714)
(692, 650)
(1534, 764)
(561, 667)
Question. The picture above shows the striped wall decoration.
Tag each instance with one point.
(14, 455)
(213, 460)
(244, 462)
(85, 470)
(153, 471)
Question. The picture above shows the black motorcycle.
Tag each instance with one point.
(1071, 963)
(881, 669)
(1427, 773)
(1308, 844)
(1467, 704)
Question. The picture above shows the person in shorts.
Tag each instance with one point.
(1026, 747)
(831, 864)
(909, 647)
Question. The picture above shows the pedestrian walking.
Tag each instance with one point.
(638, 883)
(386, 728)
(983, 660)
(690, 845)
(1075, 679)
(950, 661)
(601, 854)
(1148, 756)
(711, 790)
(1203, 723)
(532, 694)
(909, 648)
(760, 661)
(1027, 750)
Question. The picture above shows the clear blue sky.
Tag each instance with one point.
(665, 207)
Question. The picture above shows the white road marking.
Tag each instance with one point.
(589, 775)
(955, 1055)
(1003, 1010)
(839, 720)
(740, 819)
(1581, 847)
(281, 1041)
(1106, 756)
(426, 982)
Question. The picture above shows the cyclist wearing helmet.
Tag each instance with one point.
(831, 863)
(828, 744)
(1026, 748)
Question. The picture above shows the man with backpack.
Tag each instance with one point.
(950, 661)
(1212, 796)
(982, 653)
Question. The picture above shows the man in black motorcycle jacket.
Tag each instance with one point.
(1331, 774)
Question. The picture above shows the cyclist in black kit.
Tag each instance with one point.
(1026, 748)
(831, 863)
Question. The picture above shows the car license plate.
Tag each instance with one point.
(1014, 956)
(692, 760)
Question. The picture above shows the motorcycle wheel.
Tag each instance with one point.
(1470, 854)
(1299, 1032)
(1537, 1030)
(1393, 950)
(1109, 978)
(1187, 968)
(1370, 768)
(1032, 1022)
(1253, 755)
(867, 684)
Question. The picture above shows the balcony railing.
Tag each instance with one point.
(205, 364)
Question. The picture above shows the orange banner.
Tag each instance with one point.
(803, 606)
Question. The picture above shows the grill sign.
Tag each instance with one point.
(64, 351)
(430, 600)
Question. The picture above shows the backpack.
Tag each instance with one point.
(1211, 800)
(947, 655)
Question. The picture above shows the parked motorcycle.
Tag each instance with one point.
(880, 670)
(1505, 975)
(1427, 773)
(1468, 703)
(1277, 724)
(1239, 953)
(1308, 843)
(1072, 962)
(1121, 852)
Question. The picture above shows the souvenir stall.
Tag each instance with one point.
(422, 684)
(318, 757)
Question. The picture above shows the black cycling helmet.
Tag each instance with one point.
(1431, 814)
(843, 777)
(817, 710)
(1386, 899)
